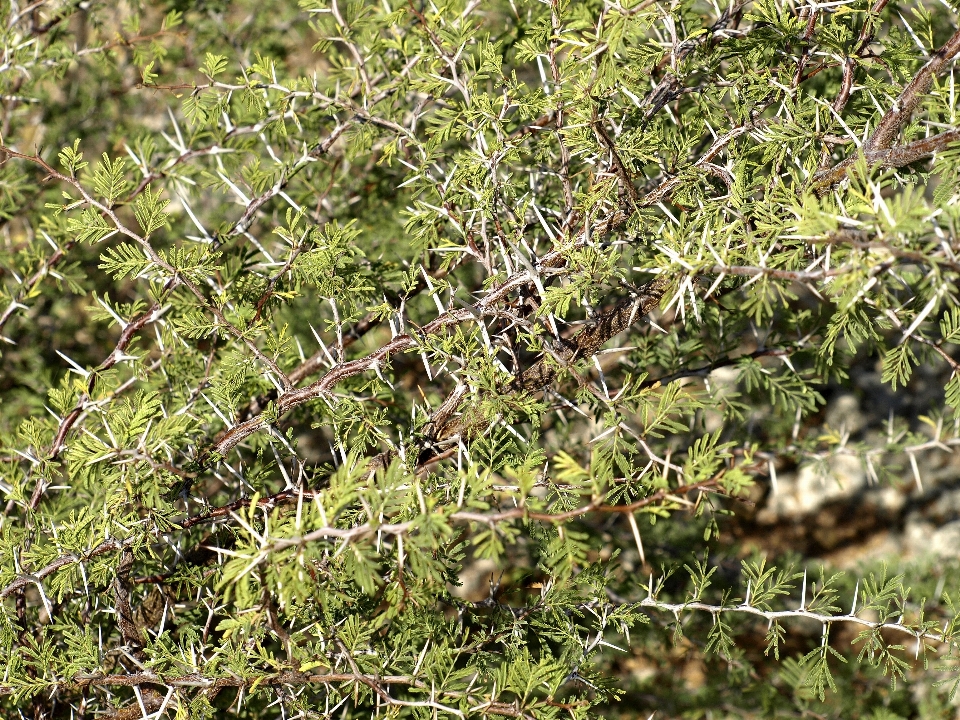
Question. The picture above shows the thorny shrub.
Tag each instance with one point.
(412, 359)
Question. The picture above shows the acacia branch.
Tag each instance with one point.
(556, 259)
(887, 158)
(852, 238)
(318, 360)
(61, 562)
(911, 97)
(876, 149)
(294, 678)
(127, 336)
(350, 534)
(920, 633)
(174, 274)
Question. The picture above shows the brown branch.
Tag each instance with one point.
(491, 519)
(795, 275)
(401, 343)
(723, 362)
(886, 158)
(911, 97)
(121, 598)
(318, 360)
(150, 700)
(852, 238)
(195, 680)
(812, 15)
(866, 36)
(445, 429)
(541, 123)
(61, 562)
(272, 282)
(127, 336)
(589, 340)
(846, 85)
(269, 502)
(670, 87)
(937, 348)
(877, 149)
(626, 179)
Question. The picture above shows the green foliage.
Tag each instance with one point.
(438, 360)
